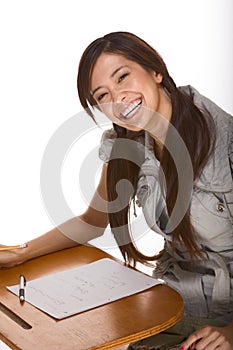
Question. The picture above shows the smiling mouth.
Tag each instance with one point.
(131, 109)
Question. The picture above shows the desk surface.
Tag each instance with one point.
(105, 327)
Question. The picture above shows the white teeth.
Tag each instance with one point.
(127, 113)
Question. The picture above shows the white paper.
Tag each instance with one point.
(72, 291)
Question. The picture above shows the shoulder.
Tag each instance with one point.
(205, 104)
(216, 176)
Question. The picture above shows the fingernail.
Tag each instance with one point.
(181, 348)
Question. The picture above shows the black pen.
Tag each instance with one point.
(22, 284)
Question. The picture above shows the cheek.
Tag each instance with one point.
(107, 110)
(153, 99)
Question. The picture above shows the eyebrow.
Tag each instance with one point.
(111, 76)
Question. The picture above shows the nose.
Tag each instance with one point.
(119, 96)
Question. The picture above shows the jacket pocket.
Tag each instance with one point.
(212, 219)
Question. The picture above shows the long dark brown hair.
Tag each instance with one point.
(192, 124)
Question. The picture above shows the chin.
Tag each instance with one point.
(132, 128)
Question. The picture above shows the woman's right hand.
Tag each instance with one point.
(10, 258)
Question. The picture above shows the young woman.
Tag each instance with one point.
(175, 147)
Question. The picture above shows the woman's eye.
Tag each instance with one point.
(122, 77)
(100, 97)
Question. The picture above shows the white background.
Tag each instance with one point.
(41, 42)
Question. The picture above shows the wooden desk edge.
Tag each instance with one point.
(140, 335)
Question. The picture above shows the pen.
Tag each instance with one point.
(9, 247)
(22, 285)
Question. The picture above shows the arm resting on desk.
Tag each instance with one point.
(78, 230)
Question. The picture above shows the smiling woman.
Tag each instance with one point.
(145, 77)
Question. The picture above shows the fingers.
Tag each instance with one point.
(192, 339)
(208, 338)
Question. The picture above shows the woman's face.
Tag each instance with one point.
(127, 93)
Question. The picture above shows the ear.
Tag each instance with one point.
(158, 77)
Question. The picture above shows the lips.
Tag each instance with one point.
(131, 109)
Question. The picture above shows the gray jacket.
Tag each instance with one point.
(206, 285)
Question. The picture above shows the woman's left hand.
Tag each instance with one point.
(210, 338)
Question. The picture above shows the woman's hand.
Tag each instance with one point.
(210, 338)
(11, 258)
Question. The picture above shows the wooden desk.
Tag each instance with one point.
(105, 327)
